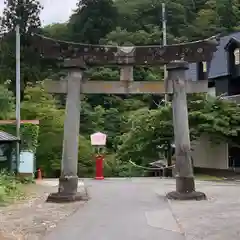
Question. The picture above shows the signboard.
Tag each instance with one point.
(98, 139)
(26, 164)
(237, 56)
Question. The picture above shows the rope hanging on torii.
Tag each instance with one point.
(198, 51)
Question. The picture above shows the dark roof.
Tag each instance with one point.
(231, 41)
(6, 137)
(218, 65)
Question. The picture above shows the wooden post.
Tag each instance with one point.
(185, 187)
(68, 181)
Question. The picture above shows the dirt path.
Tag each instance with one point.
(32, 218)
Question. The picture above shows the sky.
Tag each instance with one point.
(54, 10)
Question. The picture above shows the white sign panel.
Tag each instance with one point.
(237, 56)
(26, 164)
(98, 139)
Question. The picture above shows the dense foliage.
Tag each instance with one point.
(207, 115)
(121, 117)
(11, 188)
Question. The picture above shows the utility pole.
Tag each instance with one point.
(18, 92)
(164, 31)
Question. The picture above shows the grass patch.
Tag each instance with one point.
(205, 177)
(11, 188)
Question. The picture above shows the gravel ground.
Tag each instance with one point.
(32, 218)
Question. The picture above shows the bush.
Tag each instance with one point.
(26, 180)
(86, 164)
(10, 188)
(126, 169)
(85, 160)
(115, 168)
(38, 104)
(111, 166)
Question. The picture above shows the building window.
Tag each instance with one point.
(236, 56)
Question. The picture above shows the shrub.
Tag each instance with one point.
(10, 188)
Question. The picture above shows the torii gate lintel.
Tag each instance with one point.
(102, 55)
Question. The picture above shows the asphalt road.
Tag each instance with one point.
(120, 209)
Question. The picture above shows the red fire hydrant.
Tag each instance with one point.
(99, 167)
(39, 174)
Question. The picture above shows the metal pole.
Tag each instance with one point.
(164, 30)
(18, 92)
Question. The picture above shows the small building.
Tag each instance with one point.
(8, 151)
(223, 72)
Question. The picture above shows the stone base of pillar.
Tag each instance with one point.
(65, 198)
(186, 196)
(185, 190)
(68, 191)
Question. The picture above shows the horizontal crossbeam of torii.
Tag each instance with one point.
(125, 87)
(197, 51)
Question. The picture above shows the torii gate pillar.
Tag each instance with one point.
(185, 187)
(68, 181)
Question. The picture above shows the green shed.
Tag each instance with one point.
(8, 151)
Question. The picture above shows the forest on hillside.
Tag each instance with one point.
(122, 22)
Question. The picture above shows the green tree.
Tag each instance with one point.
(229, 14)
(92, 20)
(86, 161)
(138, 15)
(207, 22)
(152, 35)
(219, 119)
(57, 31)
(23, 12)
(38, 104)
(6, 102)
(26, 14)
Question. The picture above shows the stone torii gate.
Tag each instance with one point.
(76, 57)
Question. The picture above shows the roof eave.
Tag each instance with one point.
(230, 42)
